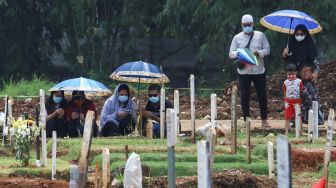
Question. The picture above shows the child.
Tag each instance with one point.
(292, 89)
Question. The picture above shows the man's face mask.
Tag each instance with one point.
(247, 27)
(154, 99)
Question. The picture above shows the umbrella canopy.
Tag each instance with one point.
(246, 55)
(285, 21)
(140, 72)
(81, 84)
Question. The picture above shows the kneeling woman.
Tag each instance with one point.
(118, 116)
(55, 107)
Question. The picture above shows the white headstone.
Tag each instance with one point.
(177, 112)
(53, 167)
(44, 148)
(310, 125)
(284, 162)
(315, 125)
(192, 105)
(203, 164)
(171, 127)
(162, 112)
(270, 159)
(297, 120)
(106, 167)
(43, 115)
(213, 110)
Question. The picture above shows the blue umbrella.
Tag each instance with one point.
(140, 72)
(80, 84)
(285, 21)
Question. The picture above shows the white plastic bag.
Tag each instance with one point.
(133, 172)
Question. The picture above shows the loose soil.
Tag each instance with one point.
(309, 159)
(229, 178)
(20, 182)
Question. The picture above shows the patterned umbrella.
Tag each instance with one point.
(139, 72)
(285, 21)
(81, 84)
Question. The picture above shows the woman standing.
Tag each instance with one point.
(302, 52)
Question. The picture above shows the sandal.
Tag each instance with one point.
(265, 124)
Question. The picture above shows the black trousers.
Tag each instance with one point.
(125, 127)
(259, 82)
(57, 125)
(74, 128)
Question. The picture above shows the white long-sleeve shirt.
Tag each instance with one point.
(258, 43)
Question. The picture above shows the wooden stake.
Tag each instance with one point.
(53, 166)
(192, 103)
(106, 168)
(327, 150)
(211, 138)
(213, 99)
(44, 149)
(234, 120)
(85, 153)
(297, 120)
(203, 164)
(162, 112)
(126, 152)
(248, 141)
(96, 176)
(284, 167)
(270, 159)
(315, 124)
(149, 129)
(177, 112)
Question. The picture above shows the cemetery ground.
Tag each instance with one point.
(229, 169)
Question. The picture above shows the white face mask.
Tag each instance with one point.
(247, 29)
(300, 38)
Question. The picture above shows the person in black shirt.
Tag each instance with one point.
(55, 107)
(152, 110)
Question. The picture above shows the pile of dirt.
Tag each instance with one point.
(20, 182)
(326, 86)
(228, 178)
(305, 159)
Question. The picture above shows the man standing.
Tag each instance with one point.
(257, 42)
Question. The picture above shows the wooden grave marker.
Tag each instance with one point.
(171, 141)
(234, 120)
(192, 106)
(86, 144)
(162, 112)
(106, 168)
(203, 164)
(270, 157)
(53, 164)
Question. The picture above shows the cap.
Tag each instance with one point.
(247, 18)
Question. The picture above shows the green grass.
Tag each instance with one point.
(25, 87)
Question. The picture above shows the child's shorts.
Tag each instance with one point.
(290, 107)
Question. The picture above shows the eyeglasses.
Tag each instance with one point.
(152, 95)
(247, 24)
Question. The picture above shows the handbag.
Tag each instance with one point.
(240, 64)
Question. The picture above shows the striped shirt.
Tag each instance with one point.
(258, 43)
